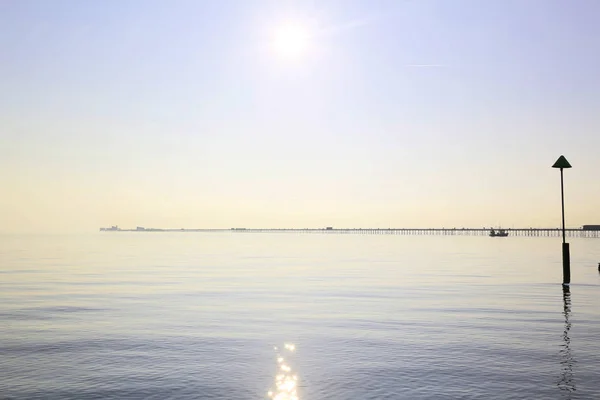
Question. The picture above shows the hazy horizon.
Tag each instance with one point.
(375, 114)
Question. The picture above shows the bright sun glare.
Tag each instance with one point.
(291, 40)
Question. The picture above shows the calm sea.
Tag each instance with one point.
(306, 316)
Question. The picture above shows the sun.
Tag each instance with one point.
(291, 40)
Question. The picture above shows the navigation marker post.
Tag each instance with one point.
(562, 163)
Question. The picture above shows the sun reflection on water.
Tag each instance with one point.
(286, 382)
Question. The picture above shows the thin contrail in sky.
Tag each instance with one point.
(370, 20)
(426, 65)
(364, 21)
(357, 23)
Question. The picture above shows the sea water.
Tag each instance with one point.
(233, 315)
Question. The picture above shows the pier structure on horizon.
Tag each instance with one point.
(584, 232)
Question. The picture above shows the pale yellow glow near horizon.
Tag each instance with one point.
(291, 40)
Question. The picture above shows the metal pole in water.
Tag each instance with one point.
(562, 203)
(566, 254)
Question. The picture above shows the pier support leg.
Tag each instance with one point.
(566, 259)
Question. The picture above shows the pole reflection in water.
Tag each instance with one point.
(566, 382)
(286, 381)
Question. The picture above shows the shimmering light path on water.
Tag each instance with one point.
(286, 381)
(206, 316)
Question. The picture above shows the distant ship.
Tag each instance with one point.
(498, 233)
(112, 228)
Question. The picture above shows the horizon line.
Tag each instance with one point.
(330, 228)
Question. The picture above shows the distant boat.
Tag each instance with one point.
(112, 228)
(498, 233)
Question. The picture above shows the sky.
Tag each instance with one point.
(392, 113)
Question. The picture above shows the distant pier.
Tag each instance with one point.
(524, 232)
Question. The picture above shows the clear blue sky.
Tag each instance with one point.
(398, 113)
